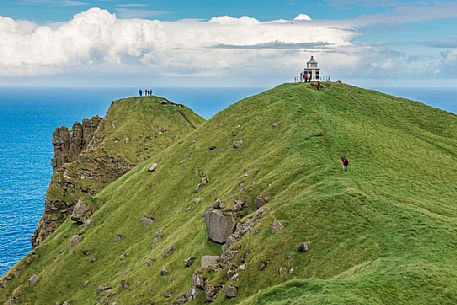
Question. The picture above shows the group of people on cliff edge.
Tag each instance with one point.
(146, 92)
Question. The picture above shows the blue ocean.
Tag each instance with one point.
(28, 117)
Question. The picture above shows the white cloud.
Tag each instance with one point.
(302, 17)
(96, 41)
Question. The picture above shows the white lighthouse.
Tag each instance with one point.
(311, 72)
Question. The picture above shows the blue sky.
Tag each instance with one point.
(115, 41)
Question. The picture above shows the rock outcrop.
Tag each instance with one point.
(68, 144)
(81, 212)
(219, 223)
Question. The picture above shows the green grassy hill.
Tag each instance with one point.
(383, 233)
(132, 131)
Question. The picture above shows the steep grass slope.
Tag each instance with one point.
(133, 130)
(383, 233)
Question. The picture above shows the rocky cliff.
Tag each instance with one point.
(98, 151)
(68, 144)
(253, 208)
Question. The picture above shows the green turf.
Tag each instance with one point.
(383, 233)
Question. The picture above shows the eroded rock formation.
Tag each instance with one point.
(68, 144)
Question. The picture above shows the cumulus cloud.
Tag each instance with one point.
(96, 41)
(302, 17)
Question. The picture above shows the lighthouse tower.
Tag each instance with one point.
(311, 72)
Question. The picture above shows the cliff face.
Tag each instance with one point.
(98, 151)
(254, 208)
(68, 144)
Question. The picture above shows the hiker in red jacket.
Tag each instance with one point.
(344, 163)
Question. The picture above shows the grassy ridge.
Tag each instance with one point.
(384, 233)
(132, 131)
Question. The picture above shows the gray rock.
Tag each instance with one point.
(164, 271)
(188, 262)
(198, 188)
(275, 125)
(118, 237)
(238, 206)
(231, 292)
(123, 256)
(276, 227)
(102, 289)
(260, 202)
(218, 204)
(263, 265)
(147, 221)
(75, 240)
(127, 140)
(209, 261)
(204, 179)
(168, 294)
(124, 284)
(81, 212)
(153, 167)
(303, 247)
(211, 292)
(220, 225)
(198, 200)
(198, 280)
(150, 262)
(158, 236)
(33, 280)
(169, 251)
(238, 144)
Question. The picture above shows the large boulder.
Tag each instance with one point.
(219, 223)
(81, 212)
(209, 261)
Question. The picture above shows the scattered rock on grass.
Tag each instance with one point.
(81, 212)
(303, 247)
(153, 167)
(147, 221)
(198, 280)
(102, 289)
(238, 144)
(33, 280)
(277, 227)
(198, 188)
(169, 251)
(263, 265)
(75, 240)
(260, 201)
(231, 292)
(211, 292)
(164, 271)
(209, 261)
(150, 262)
(188, 262)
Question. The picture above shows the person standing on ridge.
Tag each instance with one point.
(140, 92)
(344, 163)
